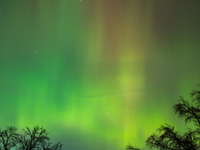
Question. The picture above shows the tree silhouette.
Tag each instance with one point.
(130, 147)
(35, 139)
(169, 139)
(8, 138)
(50, 146)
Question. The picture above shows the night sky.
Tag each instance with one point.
(97, 74)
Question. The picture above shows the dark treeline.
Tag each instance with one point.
(167, 138)
(31, 139)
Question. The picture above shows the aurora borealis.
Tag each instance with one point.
(98, 74)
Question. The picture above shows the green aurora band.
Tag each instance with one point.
(98, 74)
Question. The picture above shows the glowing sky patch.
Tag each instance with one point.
(101, 74)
